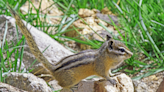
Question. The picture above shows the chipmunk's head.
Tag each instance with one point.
(117, 49)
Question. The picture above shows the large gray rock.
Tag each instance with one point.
(27, 81)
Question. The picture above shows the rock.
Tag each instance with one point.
(54, 85)
(85, 13)
(103, 34)
(8, 88)
(85, 29)
(140, 86)
(46, 7)
(106, 17)
(148, 84)
(88, 17)
(100, 21)
(27, 81)
(91, 25)
(105, 86)
(153, 78)
(106, 11)
(53, 53)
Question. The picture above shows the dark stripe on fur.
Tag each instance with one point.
(75, 60)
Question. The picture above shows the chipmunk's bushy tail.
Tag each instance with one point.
(32, 44)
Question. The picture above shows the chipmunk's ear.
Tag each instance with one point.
(110, 44)
(108, 37)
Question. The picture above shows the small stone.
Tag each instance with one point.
(100, 21)
(95, 11)
(106, 11)
(140, 86)
(85, 13)
(153, 77)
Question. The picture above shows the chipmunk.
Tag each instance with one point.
(72, 69)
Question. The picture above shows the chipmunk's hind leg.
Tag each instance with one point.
(65, 78)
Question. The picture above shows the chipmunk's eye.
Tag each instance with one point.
(122, 50)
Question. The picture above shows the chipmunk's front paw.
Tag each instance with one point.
(112, 81)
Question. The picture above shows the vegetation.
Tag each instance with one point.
(142, 22)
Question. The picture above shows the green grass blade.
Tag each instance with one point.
(4, 37)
